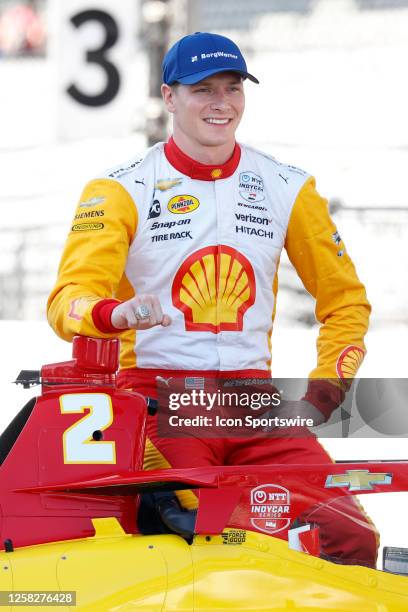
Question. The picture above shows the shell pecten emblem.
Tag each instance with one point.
(182, 204)
(349, 361)
(216, 173)
(213, 288)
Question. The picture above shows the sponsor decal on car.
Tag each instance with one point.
(182, 204)
(251, 186)
(234, 536)
(358, 480)
(270, 508)
(168, 183)
(87, 227)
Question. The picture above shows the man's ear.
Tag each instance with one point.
(168, 94)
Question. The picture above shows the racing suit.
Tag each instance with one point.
(207, 241)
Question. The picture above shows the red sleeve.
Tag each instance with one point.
(101, 316)
(324, 395)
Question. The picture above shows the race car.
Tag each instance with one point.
(83, 525)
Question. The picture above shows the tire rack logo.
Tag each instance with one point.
(270, 508)
(182, 204)
(251, 187)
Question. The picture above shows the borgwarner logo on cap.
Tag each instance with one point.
(214, 55)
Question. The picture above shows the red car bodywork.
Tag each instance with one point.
(43, 498)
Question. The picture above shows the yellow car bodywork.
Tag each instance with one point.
(238, 570)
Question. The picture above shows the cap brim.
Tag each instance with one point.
(192, 79)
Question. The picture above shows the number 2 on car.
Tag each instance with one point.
(78, 443)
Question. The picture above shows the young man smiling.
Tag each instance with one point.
(178, 252)
(206, 116)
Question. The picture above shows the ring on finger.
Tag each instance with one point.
(142, 312)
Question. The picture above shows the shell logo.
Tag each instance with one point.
(182, 204)
(216, 173)
(349, 361)
(79, 306)
(213, 288)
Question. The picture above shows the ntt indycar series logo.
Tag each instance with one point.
(251, 187)
(270, 508)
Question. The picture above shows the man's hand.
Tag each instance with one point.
(293, 409)
(128, 314)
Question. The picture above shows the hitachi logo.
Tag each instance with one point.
(253, 231)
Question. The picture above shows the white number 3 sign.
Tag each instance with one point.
(82, 441)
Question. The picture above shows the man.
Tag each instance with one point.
(178, 251)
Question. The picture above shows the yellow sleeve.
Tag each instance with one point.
(94, 258)
(327, 272)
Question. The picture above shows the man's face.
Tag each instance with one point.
(208, 112)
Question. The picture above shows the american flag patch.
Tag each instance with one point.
(194, 382)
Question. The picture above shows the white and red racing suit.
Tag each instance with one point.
(207, 241)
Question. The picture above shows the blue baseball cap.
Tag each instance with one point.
(200, 55)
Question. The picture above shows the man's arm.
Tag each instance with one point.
(327, 272)
(93, 262)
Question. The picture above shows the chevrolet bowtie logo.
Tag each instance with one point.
(358, 480)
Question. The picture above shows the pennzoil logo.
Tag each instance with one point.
(270, 508)
(213, 288)
(358, 480)
(349, 361)
(182, 204)
(87, 227)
